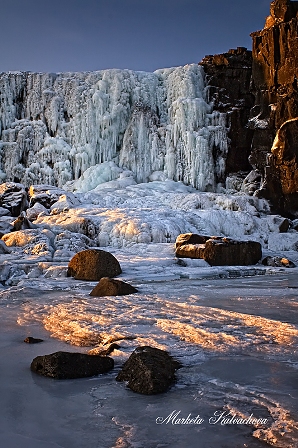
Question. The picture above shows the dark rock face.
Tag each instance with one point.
(274, 85)
(149, 371)
(259, 92)
(280, 184)
(218, 251)
(92, 265)
(112, 287)
(45, 195)
(228, 76)
(227, 252)
(65, 365)
(13, 197)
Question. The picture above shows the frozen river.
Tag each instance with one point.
(235, 336)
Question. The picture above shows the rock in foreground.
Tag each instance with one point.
(66, 365)
(31, 340)
(218, 251)
(149, 371)
(92, 265)
(111, 287)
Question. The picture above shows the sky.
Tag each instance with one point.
(87, 35)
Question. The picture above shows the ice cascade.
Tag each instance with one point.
(157, 126)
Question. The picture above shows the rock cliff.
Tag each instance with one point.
(274, 149)
(259, 92)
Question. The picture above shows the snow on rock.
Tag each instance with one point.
(68, 243)
(54, 127)
(33, 212)
(31, 241)
(64, 203)
(157, 212)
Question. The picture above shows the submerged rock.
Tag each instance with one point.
(66, 365)
(31, 340)
(149, 371)
(92, 265)
(111, 287)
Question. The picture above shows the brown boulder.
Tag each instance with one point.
(149, 371)
(226, 252)
(66, 365)
(218, 251)
(190, 245)
(111, 287)
(92, 265)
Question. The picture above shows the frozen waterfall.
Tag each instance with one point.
(153, 126)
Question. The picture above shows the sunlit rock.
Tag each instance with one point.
(111, 287)
(92, 265)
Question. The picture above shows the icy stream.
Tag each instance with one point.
(236, 338)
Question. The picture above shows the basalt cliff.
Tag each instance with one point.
(258, 90)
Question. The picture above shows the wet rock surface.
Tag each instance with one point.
(67, 365)
(149, 371)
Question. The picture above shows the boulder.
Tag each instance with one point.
(149, 371)
(190, 245)
(112, 287)
(218, 251)
(92, 265)
(227, 252)
(37, 209)
(45, 195)
(13, 197)
(66, 365)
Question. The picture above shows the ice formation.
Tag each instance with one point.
(157, 126)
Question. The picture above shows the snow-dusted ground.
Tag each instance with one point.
(233, 328)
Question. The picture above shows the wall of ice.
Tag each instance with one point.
(157, 125)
